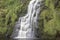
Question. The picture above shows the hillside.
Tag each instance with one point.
(49, 18)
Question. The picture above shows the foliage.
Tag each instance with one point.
(10, 11)
(49, 23)
(51, 18)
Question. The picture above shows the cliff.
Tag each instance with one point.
(49, 18)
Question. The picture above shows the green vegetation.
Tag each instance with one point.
(49, 23)
(10, 11)
(51, 19)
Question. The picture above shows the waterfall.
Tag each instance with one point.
(24, 28)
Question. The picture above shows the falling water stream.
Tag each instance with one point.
(24, 28)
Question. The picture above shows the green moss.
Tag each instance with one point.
(10, 11)
(51, 18)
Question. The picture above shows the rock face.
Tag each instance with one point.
(28, 23)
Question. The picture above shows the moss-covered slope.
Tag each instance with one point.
(10, 10)
(49, 23)
(50, 19)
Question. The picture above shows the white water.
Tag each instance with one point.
(27, 23)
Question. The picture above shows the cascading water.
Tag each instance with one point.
(24, 28)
